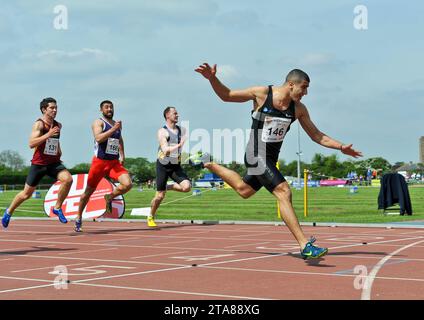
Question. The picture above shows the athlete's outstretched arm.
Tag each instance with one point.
(121, 150)
(319, 137)
(224, 92)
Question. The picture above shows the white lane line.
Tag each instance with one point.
(307, 273)
(216, 295)
(22, 248)
(184, 241)
(158, 255)
(188, 233)
(256, 234)
(200, 249)
(61, 237)
(86, 251)
(34, 269)
(115, 240)
(310, 229)
(104, 260)
(369, 280)
(247, 244)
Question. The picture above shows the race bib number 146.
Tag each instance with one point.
(275, 129)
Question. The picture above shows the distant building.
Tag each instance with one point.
(422, 149)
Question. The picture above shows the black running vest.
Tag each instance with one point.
(269, 127)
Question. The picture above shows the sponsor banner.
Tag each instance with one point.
(96, 204)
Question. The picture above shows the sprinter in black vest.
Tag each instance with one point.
(171, 139)
(275, 108)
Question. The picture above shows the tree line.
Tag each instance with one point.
(14, 171)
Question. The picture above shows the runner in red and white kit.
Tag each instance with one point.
(44, 139)
(108, 160)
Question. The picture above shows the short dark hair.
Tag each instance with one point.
(45, 103)
(167, 109)
(297, 75)
(104, 102)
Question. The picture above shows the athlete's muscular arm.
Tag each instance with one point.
(97, 128)
(37, 138)
(121, 150)
(319, 137)
(257, 94)
(167, 150)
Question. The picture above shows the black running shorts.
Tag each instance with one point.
(265, 174)
(37, 172)
(173, 171)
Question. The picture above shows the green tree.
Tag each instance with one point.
(80, 168)
(140, 169)
(12, 160)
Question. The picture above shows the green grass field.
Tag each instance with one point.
(326, 204)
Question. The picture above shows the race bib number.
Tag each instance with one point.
(52, 147)
(275, 129)
(112, 146)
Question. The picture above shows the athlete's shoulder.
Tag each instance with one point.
(97, 122)
(260, 90)
(300, 109)
(38, 124)
(162, 131)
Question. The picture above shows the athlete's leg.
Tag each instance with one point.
(66, 182)
(84, 200)
(184, 186)
(21, 197)
(232, 178)
(284, 196)
(154, 205)
(125, 185)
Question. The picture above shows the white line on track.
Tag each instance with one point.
(86, 251)
(185, 267)
(35, 269)
(366, 291)
(104, 260)
(61, 237)
(158, 255)
(114, 240)
(185, 241)
(247, 244)
(215, 295)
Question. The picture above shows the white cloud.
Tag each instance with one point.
(227, 72)
(85, 52)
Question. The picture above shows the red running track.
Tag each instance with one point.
(128, 261)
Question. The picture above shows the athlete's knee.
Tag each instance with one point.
(185, 187)
(127, 186)
(67, 180)
(159, 197)
(244, 190)
(245, 194)
(283, 192)
(25, 195)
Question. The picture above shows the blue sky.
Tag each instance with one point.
(366, 85)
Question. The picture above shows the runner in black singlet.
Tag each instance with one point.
(274, 110)
(171, 139)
